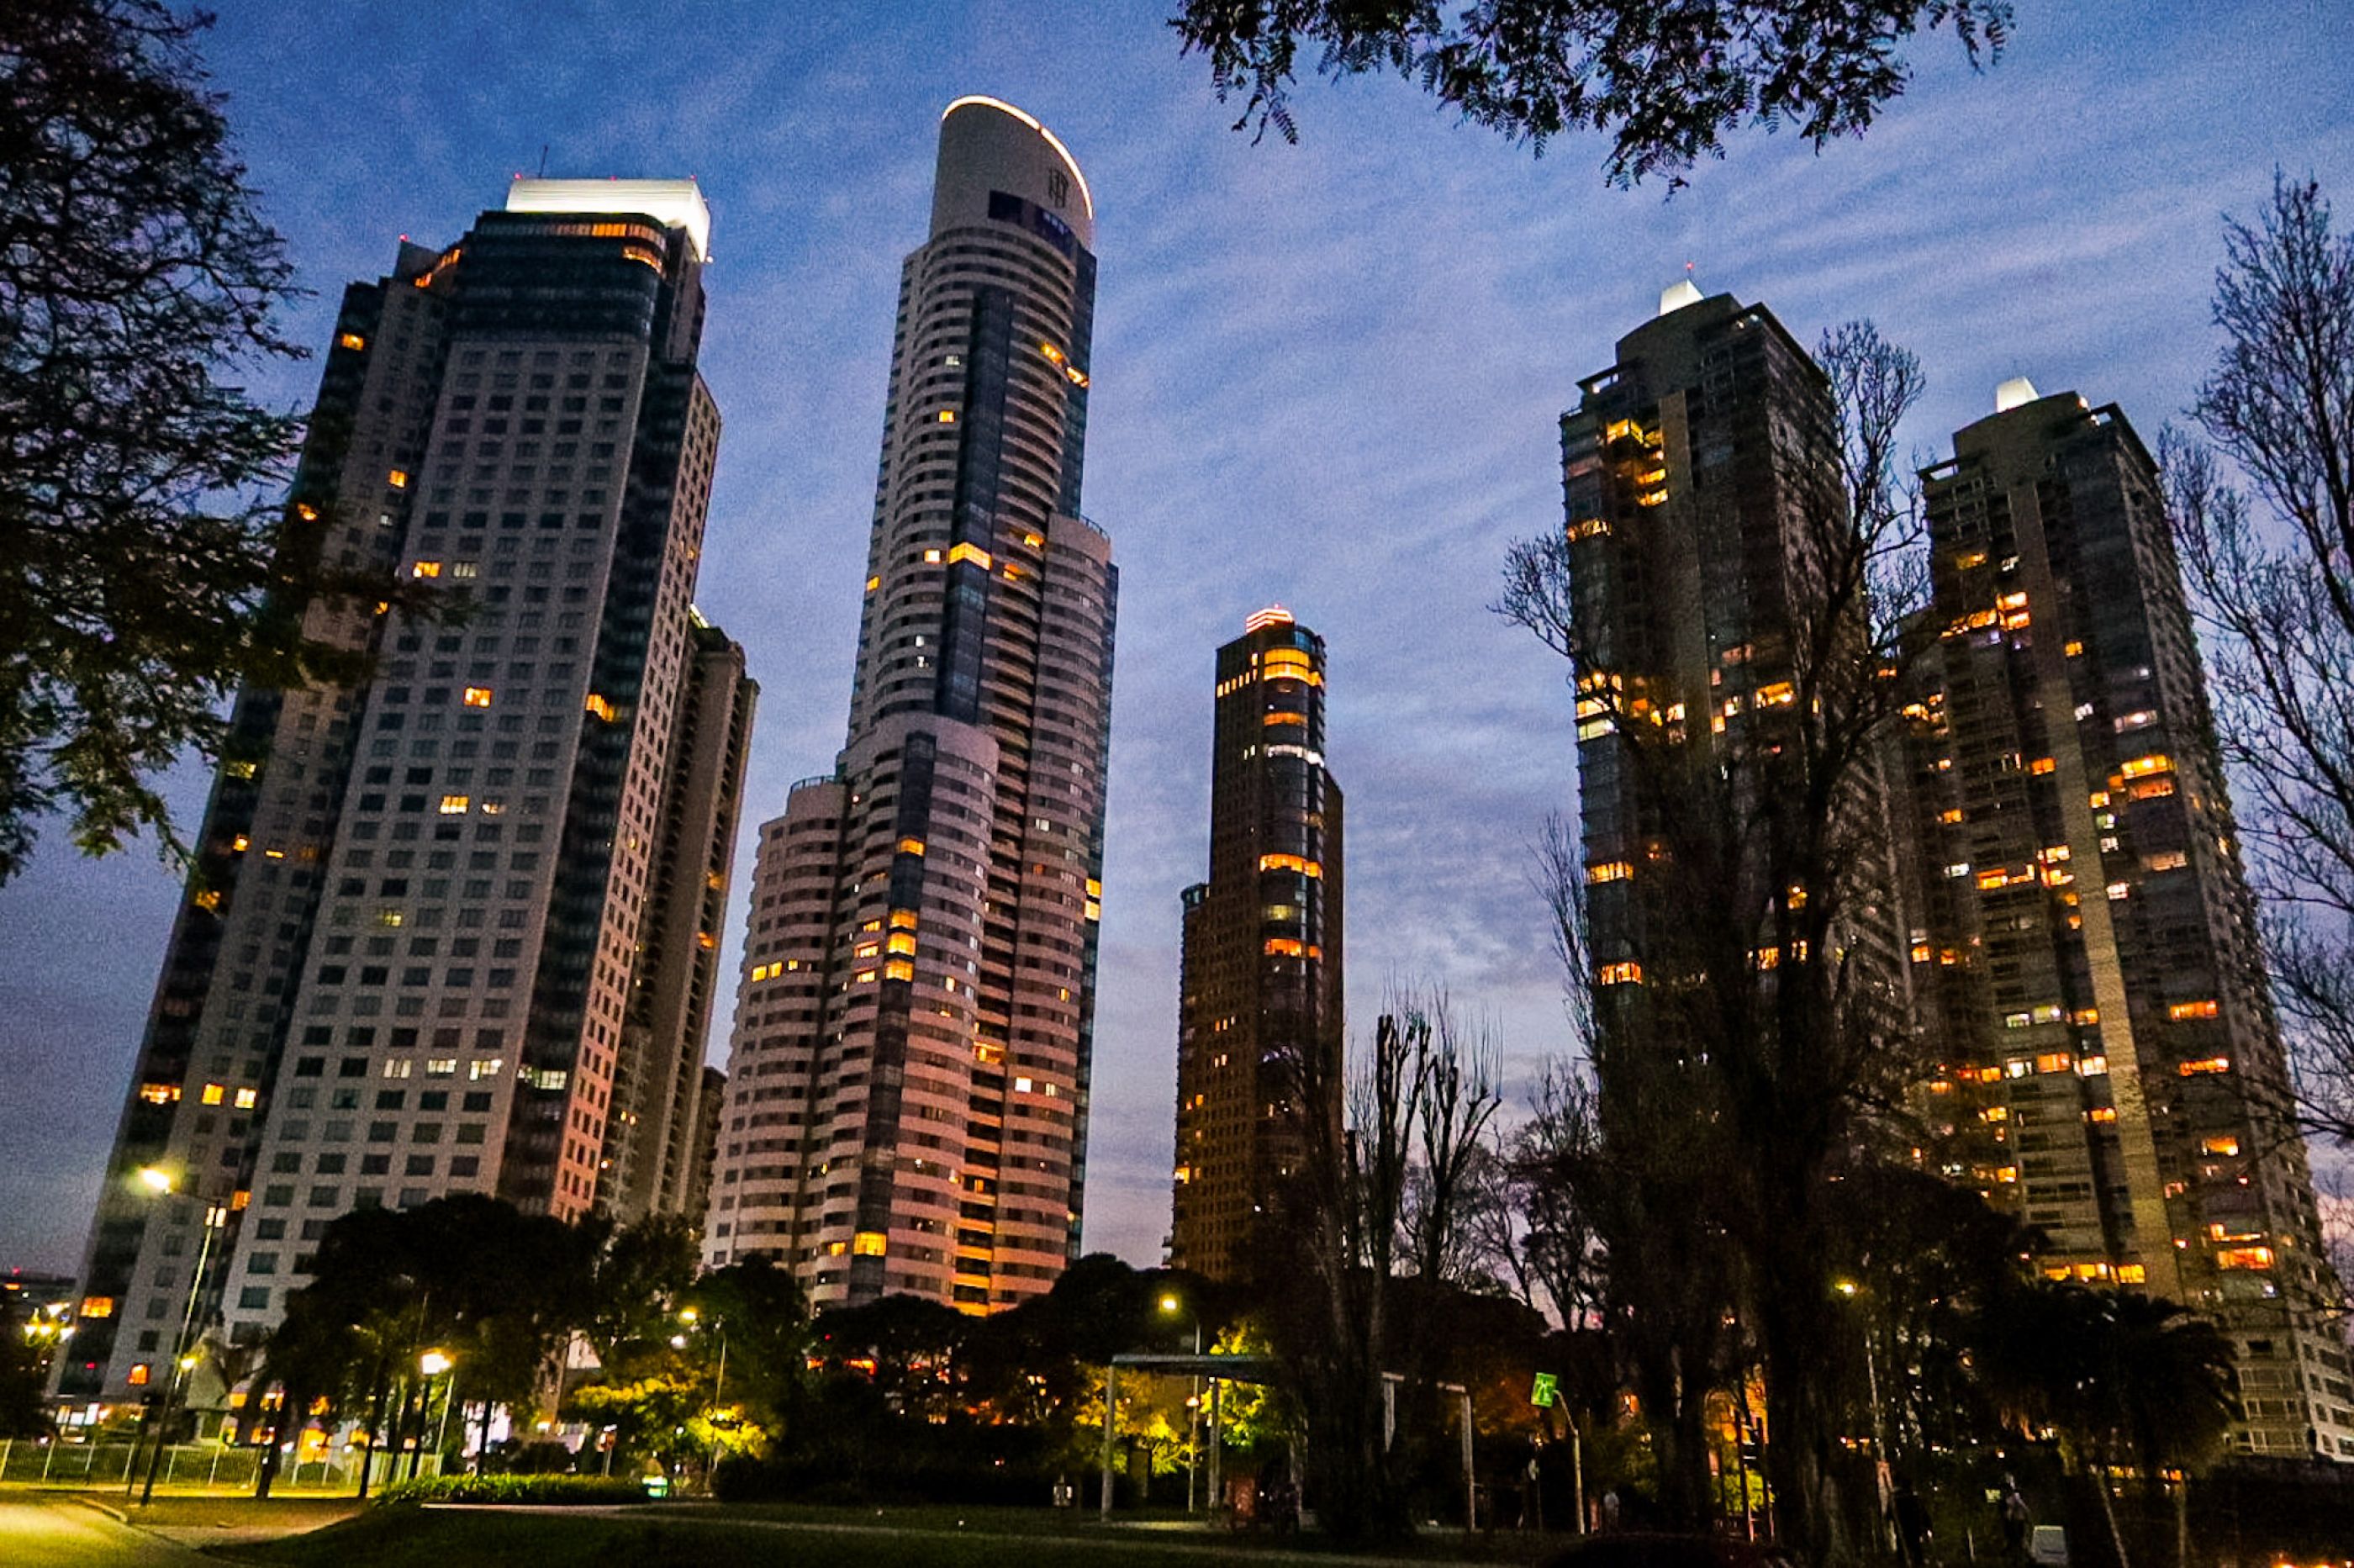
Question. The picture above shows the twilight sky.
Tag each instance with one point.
(1327, 374)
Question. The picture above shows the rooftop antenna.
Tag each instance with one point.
(543, 160)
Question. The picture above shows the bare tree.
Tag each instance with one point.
(2275, 595)
(1380, 1210)
(1765, 1037)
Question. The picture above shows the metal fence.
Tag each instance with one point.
(206, 1466)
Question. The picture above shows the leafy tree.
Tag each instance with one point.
(23, 1412)
(141, 576)
(1667, 81)
(2273, 591)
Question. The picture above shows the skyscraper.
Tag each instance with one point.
(430, 907)
(908, 1099)
(1260, 984)
(2086, 941)
(1700, 474)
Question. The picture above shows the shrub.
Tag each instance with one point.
(573, 1489)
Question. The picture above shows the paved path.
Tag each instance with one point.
(1127, 1538)
(56, 1532)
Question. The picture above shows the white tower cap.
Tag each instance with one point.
(1676, 295)
(2019, 390)
(673, 204)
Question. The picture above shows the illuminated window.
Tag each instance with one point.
(2102, 1114)
(1278, 718)
(868, 1243)
(1609, 871)
(948, 416)
(2205, 1064)
(455, 805)
(2172, 860)
(911, 846)
(2182, 1010)
(2091, 1066)
(425, 568)
(1627, 973)
(489, 1068)
(214, 1093)
(898, 970)
(388, 917)
(1285, 947)
(478, 697)
(1590, 529)
(1305, 867)
(2041, 765)
(874, 583)
(2224, 1144)
(465, 569)
(138, 1376)
(2143, 767)
(2054, 1062)
(160, 1094)
(766, 971)
(597, 704)
(491, 808)
(970, 552)
(899, 942)
(244, 1099)
(397, 478)
(2243, 1257)
(98, 1306)
(2132, 1273)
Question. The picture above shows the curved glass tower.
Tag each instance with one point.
(908, 1095)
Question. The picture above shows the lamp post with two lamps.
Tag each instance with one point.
(158, 1180)
(690, 1316)
(1171, 1304)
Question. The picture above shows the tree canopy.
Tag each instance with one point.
(141, 580)
(1668, 83)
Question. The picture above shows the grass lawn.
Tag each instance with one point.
(713, 1538)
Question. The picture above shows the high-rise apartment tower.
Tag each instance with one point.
(450, 924)
(1259, 989)
(1700, 474)
(908, 1100)
(2086, 946)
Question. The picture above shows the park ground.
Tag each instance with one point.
(95, 1530)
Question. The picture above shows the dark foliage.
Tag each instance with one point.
(1667, 81)
(142, 574)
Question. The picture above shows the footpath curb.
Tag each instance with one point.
(116, 1514)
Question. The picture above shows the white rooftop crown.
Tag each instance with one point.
(673, 204)
(2019, 390)
(1676, 295)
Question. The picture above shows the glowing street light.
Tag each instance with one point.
(155, 1178)
(433, 1363)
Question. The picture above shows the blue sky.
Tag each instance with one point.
(1327, 374)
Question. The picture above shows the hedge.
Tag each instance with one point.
(576, 1489)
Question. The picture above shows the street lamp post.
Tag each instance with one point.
(1193, 1404)
(432, 1363)
(159, 1181)
(688, 1316)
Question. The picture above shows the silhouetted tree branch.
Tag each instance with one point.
(2274, 596)
(1668, 83)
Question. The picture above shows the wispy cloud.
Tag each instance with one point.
(1326, 374)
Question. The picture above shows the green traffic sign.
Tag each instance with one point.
(1542, 1395)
